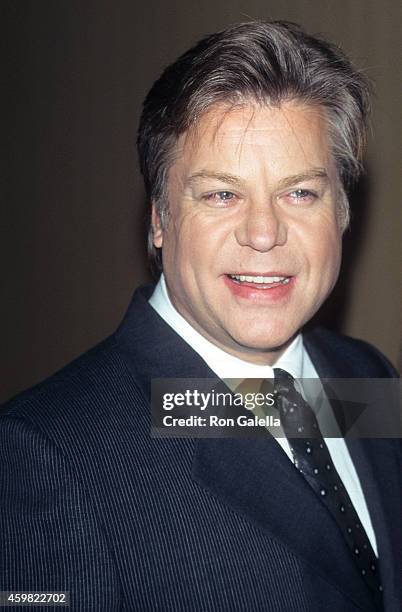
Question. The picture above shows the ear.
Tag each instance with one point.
(157, 233)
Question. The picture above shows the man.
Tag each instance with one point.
(247, 144)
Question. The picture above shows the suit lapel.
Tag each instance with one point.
(379, 474)
(377, 466)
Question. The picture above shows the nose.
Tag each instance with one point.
(261, 227)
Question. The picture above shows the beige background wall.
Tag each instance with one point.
(74, 209)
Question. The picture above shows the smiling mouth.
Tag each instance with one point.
(260, 281)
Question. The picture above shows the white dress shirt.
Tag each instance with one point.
(294, 360)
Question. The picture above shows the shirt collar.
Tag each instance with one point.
(222, 363)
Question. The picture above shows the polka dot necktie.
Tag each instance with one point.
(312, 458)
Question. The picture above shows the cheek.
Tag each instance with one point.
(328, 251)
(321, 246)
(185, 252)
(200, 245)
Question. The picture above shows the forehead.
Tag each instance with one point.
(291, 133)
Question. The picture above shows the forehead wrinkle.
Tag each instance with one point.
(316, 115)
(215, 116)
(239, 146)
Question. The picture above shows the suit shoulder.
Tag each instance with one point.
(355, 355)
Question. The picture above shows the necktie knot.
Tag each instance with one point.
(297, 417)
(284, 382)
(282, 376)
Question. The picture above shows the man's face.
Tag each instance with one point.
(253, 244)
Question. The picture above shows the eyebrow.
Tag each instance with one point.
(206, 174)
(313, 173)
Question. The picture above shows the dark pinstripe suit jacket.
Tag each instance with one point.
(89, 503)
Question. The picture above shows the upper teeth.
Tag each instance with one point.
(260, 279)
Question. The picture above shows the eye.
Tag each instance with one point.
(302, 195)
(219, 197)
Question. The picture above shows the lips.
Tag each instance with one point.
(271, 287)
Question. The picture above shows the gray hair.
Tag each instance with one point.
(263, 62)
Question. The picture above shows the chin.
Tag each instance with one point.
(265, 342)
